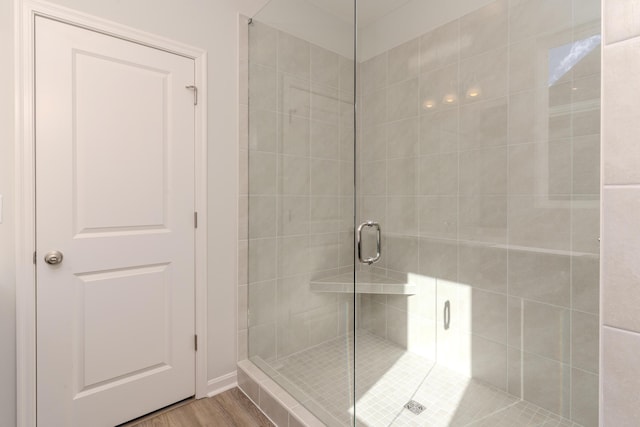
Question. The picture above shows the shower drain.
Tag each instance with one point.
(414, 407)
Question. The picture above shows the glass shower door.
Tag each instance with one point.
(478, 156)
(423, 213)
(399, 263)
(301, 202)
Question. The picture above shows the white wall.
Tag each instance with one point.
(211, 25)
(7, 274)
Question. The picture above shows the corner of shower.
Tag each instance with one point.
(420, 238)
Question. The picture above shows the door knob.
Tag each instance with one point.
(53, 257)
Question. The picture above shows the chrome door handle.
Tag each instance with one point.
(447, 314)
(375, 225)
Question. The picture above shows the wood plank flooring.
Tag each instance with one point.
(231, 408)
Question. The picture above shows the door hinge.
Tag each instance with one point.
(35, 257)
(195, 342)
(195, 220)
(195, 93)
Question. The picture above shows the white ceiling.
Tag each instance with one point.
(368, 10)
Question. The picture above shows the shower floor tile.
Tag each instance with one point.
(387, 378)
(523, 414)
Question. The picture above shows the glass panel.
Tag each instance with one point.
(301, 201)
(396, 334)
(479, 156)
(476, 166)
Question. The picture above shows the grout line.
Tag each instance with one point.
(534, 142)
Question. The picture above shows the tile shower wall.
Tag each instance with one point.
(620, 227)
(480, 157)
(299, 194)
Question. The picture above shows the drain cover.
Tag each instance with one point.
(414, 407)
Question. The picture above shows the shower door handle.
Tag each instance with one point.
(371, 260)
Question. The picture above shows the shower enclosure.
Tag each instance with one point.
(423, 209)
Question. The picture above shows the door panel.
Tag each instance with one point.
(101, 86)
(115, 195)
(144, 333)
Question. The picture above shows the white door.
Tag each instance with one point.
(115, 195)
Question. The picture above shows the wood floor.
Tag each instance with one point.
(231, 408)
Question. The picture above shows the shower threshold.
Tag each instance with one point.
(387, 377)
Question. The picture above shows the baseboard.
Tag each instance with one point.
(222, 383)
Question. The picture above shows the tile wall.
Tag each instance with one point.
(298, 198)
(480, 156)
(281, 408)
(620, 226)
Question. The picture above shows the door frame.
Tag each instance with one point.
(25, 12)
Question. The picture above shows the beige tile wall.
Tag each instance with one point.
(491, 201)
(298, 199)
(620, 226)
(275, 402)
